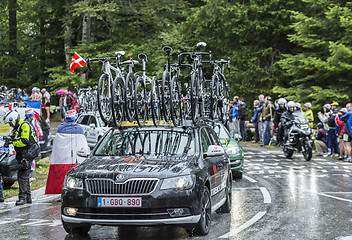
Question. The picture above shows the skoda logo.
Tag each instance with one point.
(119, 177)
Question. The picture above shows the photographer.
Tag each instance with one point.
(25, 142)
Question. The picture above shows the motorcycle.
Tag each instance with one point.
(299, 137)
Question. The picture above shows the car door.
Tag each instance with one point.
(92, 132)
(212, 165)
(221, 163)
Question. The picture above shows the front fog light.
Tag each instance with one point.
(179, 212)
(70, 211)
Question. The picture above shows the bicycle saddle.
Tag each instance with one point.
(120, 53)
(167, 49)
(142, 57)
(201, 44)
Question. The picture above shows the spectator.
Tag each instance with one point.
(1, 190)
(75, 102)
(25, 95)
(260, 122)
(67, 101)
(340, 131)
(335, 107)
(298, 107)
(320, 140)
(61, 106)
(267, 116)
(309, 114)
(46, 104)
(331, 135)
(69, 139)
(39, 94)
(254, 120)
(235, 122)
(323, 117)
(347, 137)
(241, 115)
(230, 119)
(19, 95)
(277, 120)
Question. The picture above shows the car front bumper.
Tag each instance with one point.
(155, 209)
(140, 222)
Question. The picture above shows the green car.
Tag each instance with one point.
(232, 148)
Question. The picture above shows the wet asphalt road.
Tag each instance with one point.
(278, 198)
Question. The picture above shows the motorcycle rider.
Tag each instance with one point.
(287, 118)
(277, 120)
(23, 136)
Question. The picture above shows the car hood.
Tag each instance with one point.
(130, 167)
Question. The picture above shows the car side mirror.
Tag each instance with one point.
(92, 125)
(83, 152)
(214, 150)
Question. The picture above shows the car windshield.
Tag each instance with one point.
(163, 142)
(221, 131)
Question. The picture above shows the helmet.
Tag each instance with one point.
(327, 106)
(308, 105)
(71, 115)
(291, 104)
(298, 105)
(282, 101)
(343, 110)
(334, 104)
(29, 112)
(43, 90)
(12, 117)
(320, 125)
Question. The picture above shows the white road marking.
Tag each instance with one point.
(337, 198)
(250, 179)
(266, 195)
(10, 220)
(247, 224)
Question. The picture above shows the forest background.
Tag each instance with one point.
(301, 49)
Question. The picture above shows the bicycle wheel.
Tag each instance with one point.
(155, 101)
(194, 98)
(129, 96)
(104, 98)
(224, 101)
(118, 100)
(165, 96)
(176, 98)
(140, 102)
(214, 96)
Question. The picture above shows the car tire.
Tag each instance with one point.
(203, 226)
(76, 229)
(237, 175)
(226, 208)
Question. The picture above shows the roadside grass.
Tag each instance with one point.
(40, 176)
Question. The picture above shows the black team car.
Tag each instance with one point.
(149, 176)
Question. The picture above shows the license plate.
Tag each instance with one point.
(119, 202)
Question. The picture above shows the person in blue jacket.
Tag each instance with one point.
(347, 137)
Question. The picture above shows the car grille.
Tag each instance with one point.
(129, 187)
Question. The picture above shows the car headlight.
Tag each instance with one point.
(73, 183)
(178, 183)
(232, 151)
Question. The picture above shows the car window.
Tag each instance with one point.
(220, 130)
(205, 141)
(93, 120)
(213, 137)
(83, 120)
(147, 142)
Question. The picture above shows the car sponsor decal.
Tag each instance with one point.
(133, 159)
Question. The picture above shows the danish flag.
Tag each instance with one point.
(76, 62)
